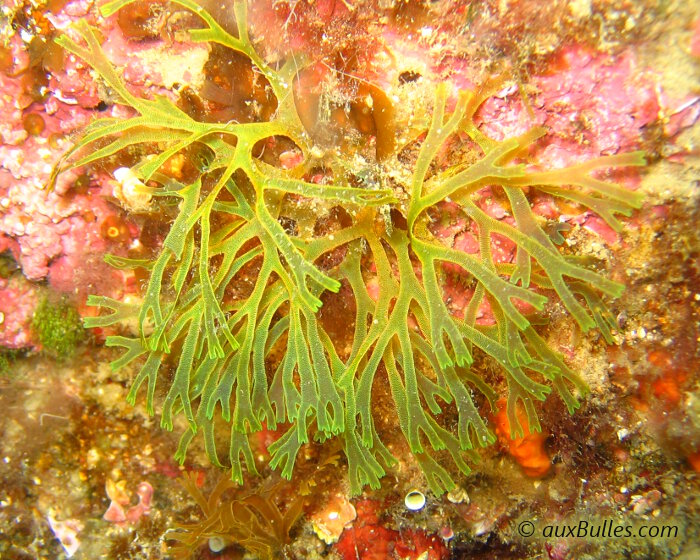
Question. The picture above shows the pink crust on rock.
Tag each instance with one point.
(17, 301)
(53, 235)
(57, 234)
(695, 39)
(594, 105)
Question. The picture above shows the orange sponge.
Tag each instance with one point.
(528, 450)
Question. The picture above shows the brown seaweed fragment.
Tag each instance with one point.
(253, 520)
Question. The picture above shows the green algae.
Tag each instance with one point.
(265, 361)
(58, 327)
(7, 360)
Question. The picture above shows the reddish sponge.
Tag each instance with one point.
(368, 539)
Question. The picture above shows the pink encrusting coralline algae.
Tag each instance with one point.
(62, 234)
(18, 298)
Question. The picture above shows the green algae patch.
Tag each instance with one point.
(58, 327)
(7, 358)
(263, 358)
